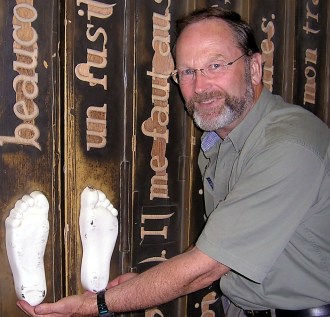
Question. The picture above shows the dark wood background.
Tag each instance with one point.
(125, 49)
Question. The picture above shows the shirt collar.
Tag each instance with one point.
(209, 139)
(240, 133)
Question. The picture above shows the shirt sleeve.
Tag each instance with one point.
(273, 192)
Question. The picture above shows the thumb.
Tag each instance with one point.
(25, 307)
(48, 308)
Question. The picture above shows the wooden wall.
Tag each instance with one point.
(103, 112)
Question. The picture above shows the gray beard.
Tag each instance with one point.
(213, 120)
(231, 110)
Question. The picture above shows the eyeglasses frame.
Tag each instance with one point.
(175, 76)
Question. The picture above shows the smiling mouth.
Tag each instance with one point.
(211, 101)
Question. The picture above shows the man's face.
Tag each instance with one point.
(219, 101)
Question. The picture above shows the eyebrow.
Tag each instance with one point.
(210, 60)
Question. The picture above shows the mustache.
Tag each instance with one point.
(206, 96)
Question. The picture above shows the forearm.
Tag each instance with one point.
(148, 289)
(171, 279)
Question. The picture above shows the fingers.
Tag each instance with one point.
(35, 311)
(65, 307)
(121, 279)
(42, 309)
(113, 283)
(49, 308)
(26, 308)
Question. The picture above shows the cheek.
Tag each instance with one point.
(235, 86)
(186, 92)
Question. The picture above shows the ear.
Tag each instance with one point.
(256, 69)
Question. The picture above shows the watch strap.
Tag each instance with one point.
(102, 306)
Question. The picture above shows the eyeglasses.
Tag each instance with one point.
(186, 76)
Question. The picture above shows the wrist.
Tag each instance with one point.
(102, 305)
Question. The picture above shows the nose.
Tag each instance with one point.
(201, 82)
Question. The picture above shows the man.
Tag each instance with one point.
(266, 173)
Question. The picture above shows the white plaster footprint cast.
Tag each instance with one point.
(27, 229)
(98, 231)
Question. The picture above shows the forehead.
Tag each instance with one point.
(204, 39)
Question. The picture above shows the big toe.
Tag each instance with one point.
(89, 197)
(40, 200)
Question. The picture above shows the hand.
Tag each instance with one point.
(121, 279)
(71, 306)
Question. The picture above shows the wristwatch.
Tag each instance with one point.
(102, 306)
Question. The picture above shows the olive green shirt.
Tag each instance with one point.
(267, 199)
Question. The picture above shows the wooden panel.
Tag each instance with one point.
(168, 205)
(98, 124)
(271, 23)
(29, 148)
(312, 57)
(236, 5)
(161, 173)
(110, 117)
(323, 111)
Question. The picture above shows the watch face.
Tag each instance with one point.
(106, 314)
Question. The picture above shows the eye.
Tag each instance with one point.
(215, 66)
(187, 72)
